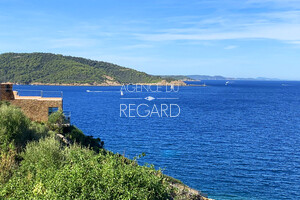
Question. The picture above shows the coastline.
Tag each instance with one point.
(68, 136)
(161, 83)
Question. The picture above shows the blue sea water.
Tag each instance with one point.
(239, 141)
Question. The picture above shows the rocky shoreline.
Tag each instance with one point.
(186, 193)
(177, 83)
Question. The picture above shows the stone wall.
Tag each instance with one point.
(37, 109)
(6, 92)
(34, 107)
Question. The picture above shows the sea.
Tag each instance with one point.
(238, 140)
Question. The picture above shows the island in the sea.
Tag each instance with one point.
(55, 69)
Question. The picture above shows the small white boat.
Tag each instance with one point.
(227, 82)
(122, 93)
(87, 90)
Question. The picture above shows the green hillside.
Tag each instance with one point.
(50, 161)
(29, 68)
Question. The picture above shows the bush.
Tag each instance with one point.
(50, 171)
(39, 130)
(76, 135)
(47, 169)
(14, 127)
(56, 121)
(8, 163)
(46, 153)
(7, 103)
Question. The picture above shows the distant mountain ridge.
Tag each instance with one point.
(195, 77)
(207, 77)
(47, 68)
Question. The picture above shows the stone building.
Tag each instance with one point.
(37, 108)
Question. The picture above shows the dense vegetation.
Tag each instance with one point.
(28, 68)
(34, 164)
(177, 77)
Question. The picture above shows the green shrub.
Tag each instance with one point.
(84, 170)
(56, 121)
(14, 127)
(8, 163)
(76, 135)
(7, 103)
(50, 171)
(46, 153)
(39, 130)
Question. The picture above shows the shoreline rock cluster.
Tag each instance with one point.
(110, 83)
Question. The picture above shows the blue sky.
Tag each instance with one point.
(234, 38)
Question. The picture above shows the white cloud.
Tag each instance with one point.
(137, 46)
(286, 32)
(230, 47)
(273, 1)
(70, 42)
(295, 42)
(277, 25)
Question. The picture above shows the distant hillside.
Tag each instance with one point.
(194, 77)
(177, 77)
(27, 68)
(206, 77)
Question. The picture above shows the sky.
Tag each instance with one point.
(232, 38)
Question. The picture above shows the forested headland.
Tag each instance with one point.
(47, 68)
